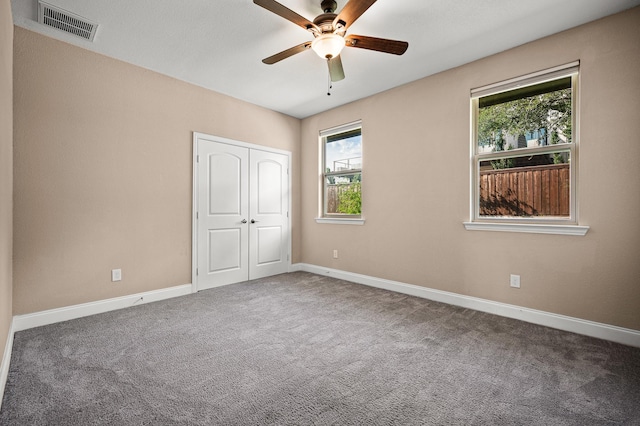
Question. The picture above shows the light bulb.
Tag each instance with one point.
(328, 46)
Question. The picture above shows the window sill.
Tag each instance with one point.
(340, 220)
(532, 228)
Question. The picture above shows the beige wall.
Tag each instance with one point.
(6, 168)
(416, 185)
(103, 172)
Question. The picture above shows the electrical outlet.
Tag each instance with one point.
(515, 281)
(116, 275)
(335, 254)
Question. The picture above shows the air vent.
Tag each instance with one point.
(55, 17)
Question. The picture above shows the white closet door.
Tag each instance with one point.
(269, 223)
(242, 224)
(223, 211)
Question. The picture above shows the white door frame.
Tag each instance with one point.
(194, 209)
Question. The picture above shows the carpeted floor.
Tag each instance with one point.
(303, 349)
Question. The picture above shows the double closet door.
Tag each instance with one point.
(242, 220)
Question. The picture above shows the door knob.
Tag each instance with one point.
(244, 221)
(254, 221)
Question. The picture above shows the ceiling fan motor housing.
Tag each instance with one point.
(325, 22)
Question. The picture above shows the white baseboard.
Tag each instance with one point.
(37, 319)
(296, 267)
(612, 333)
(6, 360)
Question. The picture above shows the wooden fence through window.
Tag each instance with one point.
(526, 191)
(332, 199)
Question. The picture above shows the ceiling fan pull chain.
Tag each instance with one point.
(330, 83)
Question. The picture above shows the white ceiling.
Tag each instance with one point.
(219, 44)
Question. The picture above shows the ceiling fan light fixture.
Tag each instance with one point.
(328, 46)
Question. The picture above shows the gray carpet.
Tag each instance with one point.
(303, 349)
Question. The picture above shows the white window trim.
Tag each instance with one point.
(340, 220)
(567, 226)
(337, 219)
(530, 228)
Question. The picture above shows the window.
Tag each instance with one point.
(524, 149)
(341, 171)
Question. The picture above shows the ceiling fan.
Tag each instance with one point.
(329, 32)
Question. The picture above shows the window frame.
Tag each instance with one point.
(336, 218)
(537, 224)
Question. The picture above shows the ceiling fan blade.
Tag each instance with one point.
(335, 69)
(286, 13)
(352, 11)
(378, 44)
(286, 53)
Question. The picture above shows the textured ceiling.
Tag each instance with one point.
(219, 44)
